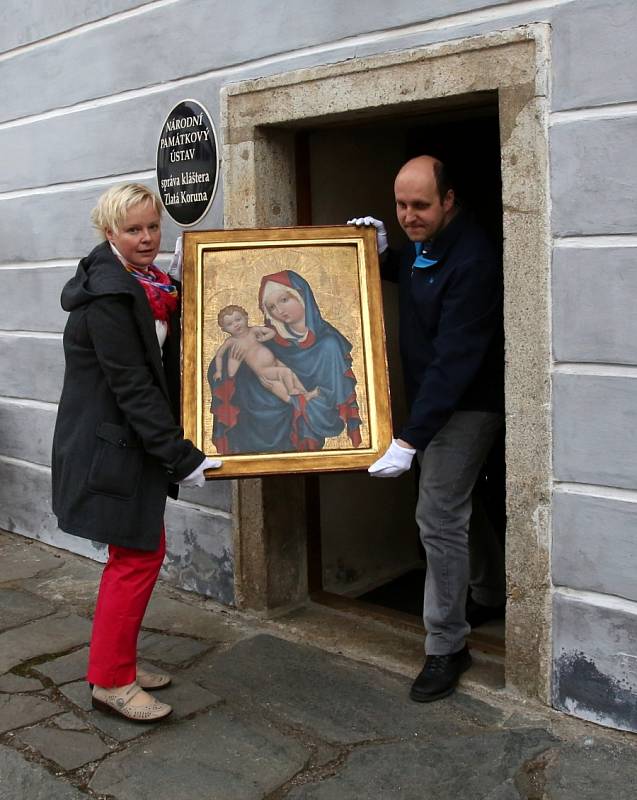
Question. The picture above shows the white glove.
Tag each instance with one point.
(197, 477)
(396, 460)
(381, 232)
(178, 257)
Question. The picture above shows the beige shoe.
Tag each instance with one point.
(152, 680)
(119, 701)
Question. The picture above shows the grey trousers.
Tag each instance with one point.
(450, 467)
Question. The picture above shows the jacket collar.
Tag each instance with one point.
(103, 273)
(437, 249)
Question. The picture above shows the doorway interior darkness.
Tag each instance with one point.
(365, 556)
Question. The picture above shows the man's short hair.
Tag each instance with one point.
(225, 312)
(444, 180)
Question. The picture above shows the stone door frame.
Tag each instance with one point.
(259, 121)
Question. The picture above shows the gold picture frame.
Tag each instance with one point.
(284, 363)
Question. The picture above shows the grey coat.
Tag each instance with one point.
(118, 449)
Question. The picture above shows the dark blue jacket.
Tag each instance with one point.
(451, 331)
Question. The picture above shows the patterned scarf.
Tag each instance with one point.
(161, 293)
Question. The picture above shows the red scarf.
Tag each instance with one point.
(162, 294)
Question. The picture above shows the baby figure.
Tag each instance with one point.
(244, 343)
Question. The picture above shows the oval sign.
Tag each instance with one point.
(187, 162)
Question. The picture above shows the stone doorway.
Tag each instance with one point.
(262, 120)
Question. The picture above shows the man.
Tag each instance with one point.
(451, 341)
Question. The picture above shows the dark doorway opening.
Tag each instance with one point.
(364, 554)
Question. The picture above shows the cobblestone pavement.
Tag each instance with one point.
(259, 714)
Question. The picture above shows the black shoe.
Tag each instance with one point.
(440, 675)
(476, 614)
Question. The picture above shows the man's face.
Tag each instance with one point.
(420, 212)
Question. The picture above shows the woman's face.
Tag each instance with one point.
(284, 307)
(139, 236)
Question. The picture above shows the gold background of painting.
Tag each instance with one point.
(232, 276)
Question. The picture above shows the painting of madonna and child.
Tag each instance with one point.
(287, 349)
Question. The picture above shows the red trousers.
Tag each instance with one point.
(125, 589)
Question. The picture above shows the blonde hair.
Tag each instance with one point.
(113, 206)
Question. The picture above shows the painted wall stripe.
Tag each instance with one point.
(79, 30)
(32, 335)
(65, 263)
(595, 370)
(612, 240)
(20, 462)
(606, 601)
(53, 264)
(89, 183)
(41, 405)
(592, 490)
(610, 111)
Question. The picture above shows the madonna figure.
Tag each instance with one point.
(249, 417)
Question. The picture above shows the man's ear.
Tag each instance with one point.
(450, 199)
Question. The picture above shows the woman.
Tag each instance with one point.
(249, 418)
(118, 450)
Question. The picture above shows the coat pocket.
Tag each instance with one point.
(117, 463)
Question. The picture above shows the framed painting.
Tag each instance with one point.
(284, 365)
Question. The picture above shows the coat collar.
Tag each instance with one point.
(102, 273)
(437, 249)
